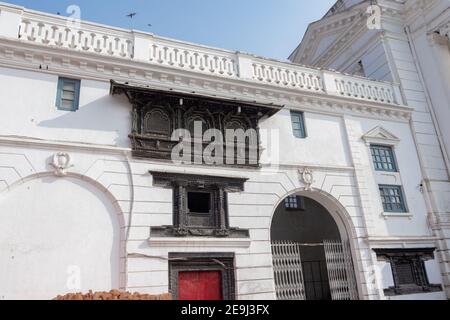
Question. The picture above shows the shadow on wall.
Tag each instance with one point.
(102, 112)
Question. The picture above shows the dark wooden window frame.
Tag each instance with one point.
(417, 258)
(181, 108)
(218, 224)
(185, 262)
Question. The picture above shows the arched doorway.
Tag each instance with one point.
(311, 254)
(58, 236)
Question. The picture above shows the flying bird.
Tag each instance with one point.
(131, 15)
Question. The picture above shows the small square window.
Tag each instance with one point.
(68, 94)
(392, 198)
(298, 124)
(383, 158)
(199, 202)
(294, 203)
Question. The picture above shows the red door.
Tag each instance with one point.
(200, 285)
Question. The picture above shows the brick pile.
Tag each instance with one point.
(113, 295)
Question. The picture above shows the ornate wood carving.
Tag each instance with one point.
(156, 114)
(214, 224)
(408, 270)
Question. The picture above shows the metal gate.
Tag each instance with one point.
(288, 273)
(341, 274)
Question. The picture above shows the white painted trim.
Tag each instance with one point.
(43, 143)
(199, 242)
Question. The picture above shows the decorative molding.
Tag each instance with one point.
(157, 114)
(306, 178)
(61, 162)
(235, 89)
(51, 144)
(379, 135)
(167, 242)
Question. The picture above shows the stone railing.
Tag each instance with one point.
(56, 31)
(360, 88)
(287, 75)
(81, 37)
(184, 56)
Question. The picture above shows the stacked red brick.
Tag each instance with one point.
(113, 295)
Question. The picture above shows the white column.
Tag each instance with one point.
(10, 19)
(245, 65)
(142, 44)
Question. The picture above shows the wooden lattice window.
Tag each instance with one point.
(157, 122)
(408, 270)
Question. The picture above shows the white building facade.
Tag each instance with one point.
(348, 197)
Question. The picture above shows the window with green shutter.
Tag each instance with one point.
(68, 94)
(383, 158)
(393, 198)
(298, 124)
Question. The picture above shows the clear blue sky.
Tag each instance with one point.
(270, 28)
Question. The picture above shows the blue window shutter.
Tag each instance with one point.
(76, 101)
(59, 93)
(76, 94)
(298, 124)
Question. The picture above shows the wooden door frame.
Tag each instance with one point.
(185, 262)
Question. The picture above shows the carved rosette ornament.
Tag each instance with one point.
(61, 163)
(306, 178)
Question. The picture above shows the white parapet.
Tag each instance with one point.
(65, 33)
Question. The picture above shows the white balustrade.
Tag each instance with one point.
(49, 30)
(359, 88)
(193, 59)
(69, 36)
(288, 75)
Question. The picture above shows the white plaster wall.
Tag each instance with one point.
(322, 130)
(28, 109)
(105, 120)
(54, 231)
(434, 62)
(434, 276)
(414, 222)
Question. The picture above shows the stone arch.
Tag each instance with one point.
(101, 201)
(343, 221)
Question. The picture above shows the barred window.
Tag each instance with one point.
(383, 158)
(392, 198)
(294, 203)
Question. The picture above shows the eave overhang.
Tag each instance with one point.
(134, 91)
